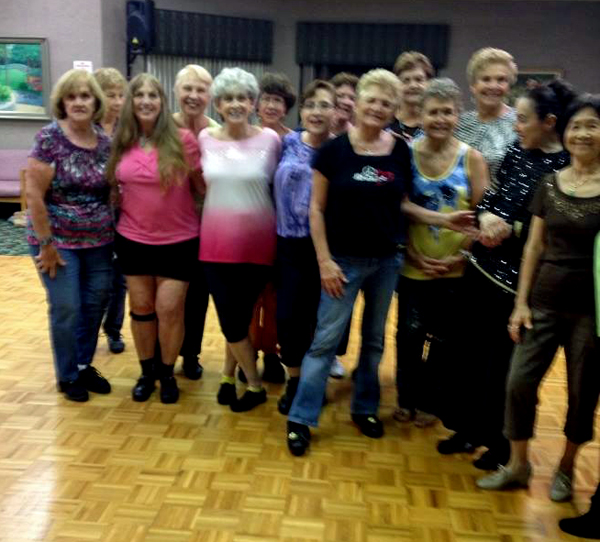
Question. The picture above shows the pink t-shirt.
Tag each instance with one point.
(238, 220)
(150, 215)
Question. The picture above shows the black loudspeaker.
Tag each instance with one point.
(140, 26)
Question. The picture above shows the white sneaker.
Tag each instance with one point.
(337, 369)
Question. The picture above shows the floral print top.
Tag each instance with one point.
(78, 197)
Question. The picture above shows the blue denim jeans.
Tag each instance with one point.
(115, 310)
(377, 278)
(77, 298)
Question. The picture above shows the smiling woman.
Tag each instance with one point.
(70, 228)
(238, 224)
(489, 129)
(154, 169)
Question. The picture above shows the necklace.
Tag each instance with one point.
(369, 149)
(143, 140)
(579, 181)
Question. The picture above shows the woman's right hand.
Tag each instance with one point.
(520, 317)
(332, 278)
(430, 266)
(48, 260)
(494, 229)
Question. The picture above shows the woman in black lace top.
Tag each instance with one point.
(504, 218)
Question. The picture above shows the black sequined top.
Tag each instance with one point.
(518, 177)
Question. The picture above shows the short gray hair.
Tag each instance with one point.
(232, 80)
(443, 89)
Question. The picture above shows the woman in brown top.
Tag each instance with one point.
(554, 305)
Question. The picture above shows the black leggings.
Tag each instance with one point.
(196, 304)
(235, 287)
(298, 292)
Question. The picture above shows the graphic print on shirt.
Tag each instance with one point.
(369, 174)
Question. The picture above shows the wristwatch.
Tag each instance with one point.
(45, 241)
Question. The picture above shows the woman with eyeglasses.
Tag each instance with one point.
(298, 282)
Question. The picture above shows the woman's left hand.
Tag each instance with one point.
(494, 230)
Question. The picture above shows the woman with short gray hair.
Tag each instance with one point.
(238, 224)
(449, 177)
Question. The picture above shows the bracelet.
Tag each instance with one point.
(45, 241)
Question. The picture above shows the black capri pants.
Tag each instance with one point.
(298, 285)
(235, 288)
(532, 359)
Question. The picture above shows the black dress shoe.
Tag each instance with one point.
(226, 394)
(91, 378)
(115, 343)
(586, 526)
(273, 369)
(74, 390)
(456, 444)
(192, 368)
(249, 400)
(369, 425)
(298, 438)
(169, 392)
(143, 388)
(285, 401)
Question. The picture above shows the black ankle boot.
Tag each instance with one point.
(146, 383)
(285, 401)
(169, 392)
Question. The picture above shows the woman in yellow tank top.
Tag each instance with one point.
(449, 176)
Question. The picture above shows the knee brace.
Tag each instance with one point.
(142, 317)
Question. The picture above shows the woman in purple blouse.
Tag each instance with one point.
(70, 230)
(298, 280)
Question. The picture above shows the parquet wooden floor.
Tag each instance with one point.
(112, 470)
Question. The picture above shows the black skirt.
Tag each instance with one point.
(174, 261)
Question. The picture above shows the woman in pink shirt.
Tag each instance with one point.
(238, 224)
(155, 167)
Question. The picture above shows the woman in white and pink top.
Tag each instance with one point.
(238, 224)
(155, 167)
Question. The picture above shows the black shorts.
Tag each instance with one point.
(175, 261)
(235, 287)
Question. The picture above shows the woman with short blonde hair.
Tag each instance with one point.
(490, 127)
(360, 179)
(192, 91)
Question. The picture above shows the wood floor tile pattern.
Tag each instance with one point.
(112, 470)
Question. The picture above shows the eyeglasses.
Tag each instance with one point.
(323, 106)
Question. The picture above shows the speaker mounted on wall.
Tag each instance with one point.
(140, 29)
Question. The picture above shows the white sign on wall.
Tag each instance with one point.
(83, 65)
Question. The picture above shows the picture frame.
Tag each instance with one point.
(24, 79)
(527, 77)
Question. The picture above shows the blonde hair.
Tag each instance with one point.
(172, 166)
(110, 78)
(483, 58)
(384, 79)
(192, 70)
(67, 83)
(411, 60)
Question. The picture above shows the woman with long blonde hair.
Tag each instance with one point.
(153, 168)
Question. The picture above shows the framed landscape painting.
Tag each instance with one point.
(528, 77)
(24, 79)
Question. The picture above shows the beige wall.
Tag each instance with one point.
(540, 34)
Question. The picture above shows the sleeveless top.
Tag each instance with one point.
(446, 193)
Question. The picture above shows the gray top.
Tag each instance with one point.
(491, 138)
